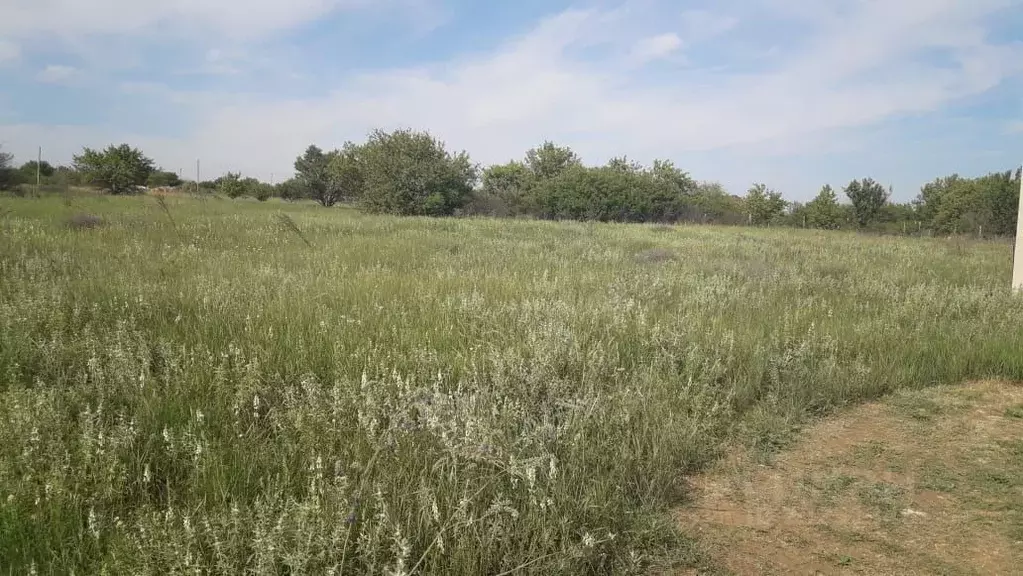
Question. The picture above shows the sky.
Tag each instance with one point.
(791, 93)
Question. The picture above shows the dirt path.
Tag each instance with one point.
(926, 482)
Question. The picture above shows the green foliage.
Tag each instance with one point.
(291, 189)
(624, 165)
(550, 160)
(956, 204)
(28, 170)
(678, 182)
(432, 397)
(504, 191)
(410, 173)
(312, 171)
(117, 169)
(763, 205)
(346, 172)
(8, 175)
(714, 204)
(261, 191)
(232, 185)
(823, 211)
(868, 198)
(609, 193)
(163, 179)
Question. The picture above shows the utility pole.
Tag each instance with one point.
(1017, 260)
(39, 165)
(196, 175)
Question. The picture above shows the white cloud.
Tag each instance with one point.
(1015, 127)
(230, 19)
(655, 47)
(859, 66)
(57, 74)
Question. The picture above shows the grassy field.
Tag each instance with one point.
(201, 390)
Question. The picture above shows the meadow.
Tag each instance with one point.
(232, 387)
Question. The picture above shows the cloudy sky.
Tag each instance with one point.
(793, 93)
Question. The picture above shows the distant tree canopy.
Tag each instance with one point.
(409, 172)
(117, 169)
(763, 205)
(163, 178)
(823, 211)
(868, 198)
(8, 175)
(28, 170)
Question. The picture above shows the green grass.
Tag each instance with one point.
(214, 393)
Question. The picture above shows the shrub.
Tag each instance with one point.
(118, 169)
(410, 173)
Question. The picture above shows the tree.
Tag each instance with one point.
(623, 164)
(231, 185)
(867, 197)
(163, 178)
(550, 160)
(678, 181)
(311, 172)
(504, 191)
(8, 176)
(763, 204)
(291, 189)
(117, 169)
(822, 211)
(410, 173)
(346, 177)
(327, 177)
(262, 191)
(28, 170)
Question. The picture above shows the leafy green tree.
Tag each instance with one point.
(823, 211)
(117, 169)
(312, 171)
(28, 170)
(764, 205)
(8, 175)
(163, 178)
(678, 181)
(410, 173)
(867, 197)
(232, 185)
(262, 191)
(623, 164)
(1000, 198)
(504, 190)
(549, 160)
(345, 173)
(291, 189)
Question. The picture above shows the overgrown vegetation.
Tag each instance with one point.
(408, 172)
(413, 395)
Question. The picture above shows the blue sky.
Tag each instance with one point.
(792, 93)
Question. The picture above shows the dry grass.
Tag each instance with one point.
(84, 221)
(923, 483)
(200, 387)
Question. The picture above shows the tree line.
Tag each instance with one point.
(408, 172)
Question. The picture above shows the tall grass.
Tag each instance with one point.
(216, 393)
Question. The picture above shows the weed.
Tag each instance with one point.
(531, 401)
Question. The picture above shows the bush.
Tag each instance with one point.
(9, 177)
(607, 194)
(163, 179)
(410, 173)
(118, 169)
(231, 185)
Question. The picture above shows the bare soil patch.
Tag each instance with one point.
(927, 482)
